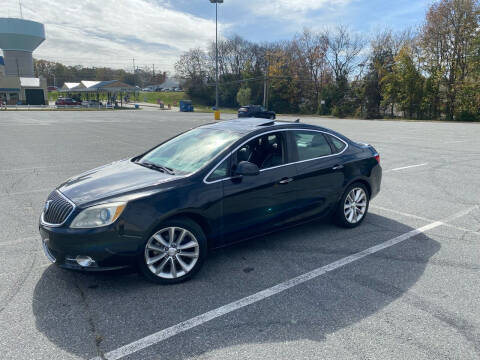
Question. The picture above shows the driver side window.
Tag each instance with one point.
(264, 151)
(221, 172)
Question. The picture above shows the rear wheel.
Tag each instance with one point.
(174, 253)
(353, 206)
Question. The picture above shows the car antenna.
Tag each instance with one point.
(297, 121)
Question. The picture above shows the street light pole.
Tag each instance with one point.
(216, 2)
(216, 55)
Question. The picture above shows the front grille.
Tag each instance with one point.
(58, 209)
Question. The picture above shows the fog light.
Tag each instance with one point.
(84, 261)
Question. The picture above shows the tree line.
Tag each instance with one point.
(57, 74)
(432, 72)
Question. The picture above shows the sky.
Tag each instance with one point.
(114, 32)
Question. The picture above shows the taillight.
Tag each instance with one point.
(377, 157)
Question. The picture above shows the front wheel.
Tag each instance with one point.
(353, 206)
(174, 253)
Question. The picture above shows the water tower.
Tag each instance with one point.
(18, 39)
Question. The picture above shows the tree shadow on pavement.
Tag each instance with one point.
(90, 314)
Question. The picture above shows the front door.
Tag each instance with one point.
(256, 204)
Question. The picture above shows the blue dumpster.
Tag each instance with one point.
(186, 106)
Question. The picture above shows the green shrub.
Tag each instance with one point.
(467, 116)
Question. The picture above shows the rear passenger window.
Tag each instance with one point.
(337, 144)
(311, 145)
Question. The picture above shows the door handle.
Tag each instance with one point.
(285, 181)
(337, 167)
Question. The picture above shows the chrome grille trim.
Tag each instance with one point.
(47, 252)
(57, 206)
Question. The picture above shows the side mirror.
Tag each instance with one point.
(246, 168)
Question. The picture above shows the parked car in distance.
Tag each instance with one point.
(255, 111)
(64, 101)
(210, 187)
(52, 88)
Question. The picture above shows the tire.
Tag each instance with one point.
(358, 207)
(171, 262)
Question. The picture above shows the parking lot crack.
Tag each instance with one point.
(19, 284)
(98, 338)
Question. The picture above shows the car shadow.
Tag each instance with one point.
(89, 314)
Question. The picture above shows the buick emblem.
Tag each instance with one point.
(47, 206)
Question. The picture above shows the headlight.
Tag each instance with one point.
(98, 216)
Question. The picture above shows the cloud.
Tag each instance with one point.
(112, 32)
(297, 7)
(287, 17)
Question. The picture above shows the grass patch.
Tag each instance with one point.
(143, 96)
(172, 98)
(208, 109)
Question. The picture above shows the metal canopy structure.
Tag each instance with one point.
(110, 86)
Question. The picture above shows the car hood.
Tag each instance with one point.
(117, 178)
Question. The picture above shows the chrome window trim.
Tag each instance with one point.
(43, 222)
(274, 167)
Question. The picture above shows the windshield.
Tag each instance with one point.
(190, 151)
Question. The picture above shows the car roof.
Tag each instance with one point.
(246, 126)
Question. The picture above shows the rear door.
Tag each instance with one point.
(256, 204)
(320, 172)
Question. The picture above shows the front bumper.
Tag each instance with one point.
(106, 246)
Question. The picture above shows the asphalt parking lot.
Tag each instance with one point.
(416, 297)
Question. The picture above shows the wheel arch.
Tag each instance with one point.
(197, 218)
(362, 181)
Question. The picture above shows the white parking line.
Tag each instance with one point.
(406, 167)
(456, 141)
(16, 241)
(427, 219)
(167, 333)
(25, 192)
(60, 166)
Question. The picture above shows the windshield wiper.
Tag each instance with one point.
(153, 166)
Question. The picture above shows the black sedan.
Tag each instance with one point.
(204, 189)
(255, 111)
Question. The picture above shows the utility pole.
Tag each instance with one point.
(20, 6)
(153, 66)
(265, 83)
(216, 50)
(134, 80)
(216, 55)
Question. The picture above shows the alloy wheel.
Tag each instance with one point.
(355, 205)
(171, 252)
